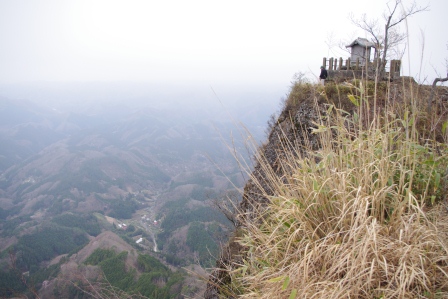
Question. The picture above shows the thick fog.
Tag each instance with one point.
(238, 103)
(201, 42)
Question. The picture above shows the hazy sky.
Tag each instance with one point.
(203, 41)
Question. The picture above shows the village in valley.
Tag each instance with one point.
(144, 223)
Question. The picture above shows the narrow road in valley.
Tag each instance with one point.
(148, 220)
(154, 240)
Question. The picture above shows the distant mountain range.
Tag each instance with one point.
(124, 162)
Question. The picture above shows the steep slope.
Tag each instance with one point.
(291, 128)
(110, 256)
(297, 136)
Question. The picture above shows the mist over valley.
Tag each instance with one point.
(141, 162)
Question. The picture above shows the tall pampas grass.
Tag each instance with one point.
(363, 215)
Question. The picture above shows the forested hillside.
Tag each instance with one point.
(146, 172)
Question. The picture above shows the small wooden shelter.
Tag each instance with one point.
(359, 64)
(360, 49)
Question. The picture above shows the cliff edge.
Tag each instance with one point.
(331, 122)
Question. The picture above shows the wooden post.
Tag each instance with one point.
(330, 64)
(398, 67)
(335, 64)
(392, 67)
(324, 62)
(357, 63)
(340, 63)
(395, 65)
(348, 64)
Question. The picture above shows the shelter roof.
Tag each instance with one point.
(363, 42)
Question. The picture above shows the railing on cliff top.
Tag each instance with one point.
(338, 65)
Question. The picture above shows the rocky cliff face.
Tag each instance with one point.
(290, 133)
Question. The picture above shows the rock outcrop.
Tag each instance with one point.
(290, 133)
(305, 107)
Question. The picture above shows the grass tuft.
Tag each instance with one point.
(362, 215)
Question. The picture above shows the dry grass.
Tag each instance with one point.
(362, 217)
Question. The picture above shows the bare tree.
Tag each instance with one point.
(388, 36)
(228, 205)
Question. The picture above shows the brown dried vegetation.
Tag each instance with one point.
(347, 200)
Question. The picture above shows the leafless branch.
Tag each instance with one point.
(433, 91)
(411, 10)
(389, 36)
(228, 205)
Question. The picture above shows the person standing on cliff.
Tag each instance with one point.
(323, 75)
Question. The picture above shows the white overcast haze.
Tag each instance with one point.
(197, 41)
